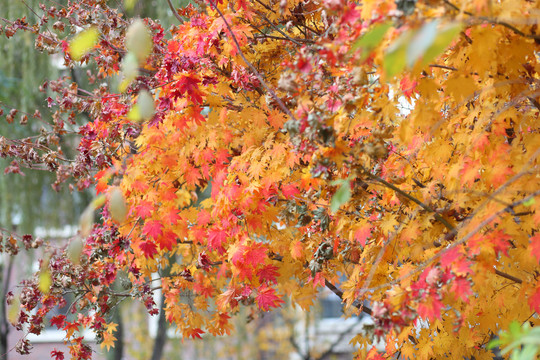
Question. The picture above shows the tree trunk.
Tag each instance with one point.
(161, 335)
(4, 324)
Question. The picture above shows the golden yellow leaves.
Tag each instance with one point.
(108, 336)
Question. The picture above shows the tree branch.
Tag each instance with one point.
(443, 67)
(461, 241)
(413, 199)
(509, 277)
(175, 13)
(339, 293)
(493, 21)
(250, 65)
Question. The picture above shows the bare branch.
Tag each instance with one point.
(175, 13)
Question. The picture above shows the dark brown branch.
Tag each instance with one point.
(176, 15)
(413, 199)
(279, 30)
(443, 67)
(534, 102)
(339, 293)
(250, 65)
(509, 277)
(296, 41)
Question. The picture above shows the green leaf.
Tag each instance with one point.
(45, 281)
(98, 201)
(515, 329)
(530, 202)
(144, 108)
(421, 42)
(528, 352)
(494, 343)
(83, 42)
(371, 39)
(342, 195)
(444, 38)
(13, 310)
(395, 59)
(86, 221)
(129, 4)
(134, 114)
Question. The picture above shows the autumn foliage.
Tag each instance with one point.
(263, 150)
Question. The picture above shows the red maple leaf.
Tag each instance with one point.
(535, 246)
(58, 321)
(453, 259)
(534, 299)
(267, 298)
(203, 217)
(188, 84)
(102, 179)
(255, 255)
(362, 234)
(70, 328)
(58, 355)
(289, 191)
(501, 242)
(148, 248)
(203, 261)
(269, 273)
(192, 175)
(461, 287)
(216, 238)
(430, 308)
(171, 216)
(152, 228)
(227, 298)
(408, 87)
(193, 333)
(144, 209)
(168, 240)
(238, 256)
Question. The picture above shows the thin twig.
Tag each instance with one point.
(509, 277)
(443, 67)
(250, 65)
(413, 199)
(175, 13)
(493, 21)
(461, 241)
(339, 293)
(279, 30)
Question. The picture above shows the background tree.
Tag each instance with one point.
(289, 114)
(26, 202)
